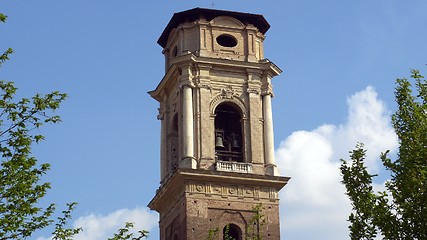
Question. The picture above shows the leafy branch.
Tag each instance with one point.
(125, 233)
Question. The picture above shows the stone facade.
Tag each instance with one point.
(192, 202)
(217, 149)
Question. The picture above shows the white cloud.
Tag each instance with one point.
(314, 204)
(101, 227)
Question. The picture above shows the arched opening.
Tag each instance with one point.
(232, 232)
(228, 133)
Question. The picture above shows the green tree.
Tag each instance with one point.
(21, 187)
(125, 233)
(399, 212)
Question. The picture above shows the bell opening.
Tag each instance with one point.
(228, 133)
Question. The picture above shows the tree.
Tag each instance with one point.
(21, 188)
(399, 212)
(125, 233)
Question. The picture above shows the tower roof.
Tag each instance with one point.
(209, 14)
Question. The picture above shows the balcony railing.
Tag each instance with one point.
(226, 166)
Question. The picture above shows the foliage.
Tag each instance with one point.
(3, 17)
(125, 233)
(227, 233)
(212, 233)
(21, 188)
(5, 56)
(400, 212)
(255, 223)
(61, 232)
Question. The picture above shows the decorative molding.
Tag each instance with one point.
(228, 94)
(233, 191)
(161, 114)
(227, 21)
(273, 194)
(253, 91)
(204, 85)
(186, 82)
(268, 91)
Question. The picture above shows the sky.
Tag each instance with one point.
(340, 60)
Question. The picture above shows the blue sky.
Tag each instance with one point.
(340, 59)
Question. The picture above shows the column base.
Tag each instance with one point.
(271, 170)
(188, 162)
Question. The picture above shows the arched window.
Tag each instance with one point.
(228, 133)
(232, 231)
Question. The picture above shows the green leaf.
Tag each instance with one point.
(400, 211)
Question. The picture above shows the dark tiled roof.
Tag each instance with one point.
(209, 14)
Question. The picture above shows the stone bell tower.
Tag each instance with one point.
(217, 149)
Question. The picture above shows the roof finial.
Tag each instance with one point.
(213, 4)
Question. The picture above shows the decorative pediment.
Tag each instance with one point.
(227, 21)
(228, 94)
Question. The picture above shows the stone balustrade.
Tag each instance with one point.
(226, 166)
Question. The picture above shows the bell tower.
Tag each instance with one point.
(218, 173)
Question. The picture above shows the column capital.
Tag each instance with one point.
(267, 87)
(186, 76)
(267, 92)
(187, 83)
(253, 90)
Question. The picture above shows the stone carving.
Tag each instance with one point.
(253, 91)
(273, 194)
(228, 92)
(267, 92)
(216, 190)
(228, 95)
(200, 188)
(204, 85)
(161, 114)
(232, 191)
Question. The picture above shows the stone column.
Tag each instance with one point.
(188, 160)
(163, 143)
(270, 163)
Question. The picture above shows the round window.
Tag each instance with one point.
(226, 40)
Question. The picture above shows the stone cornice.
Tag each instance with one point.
(265, 66)
(174, 187)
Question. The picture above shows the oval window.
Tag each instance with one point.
(226, 40)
